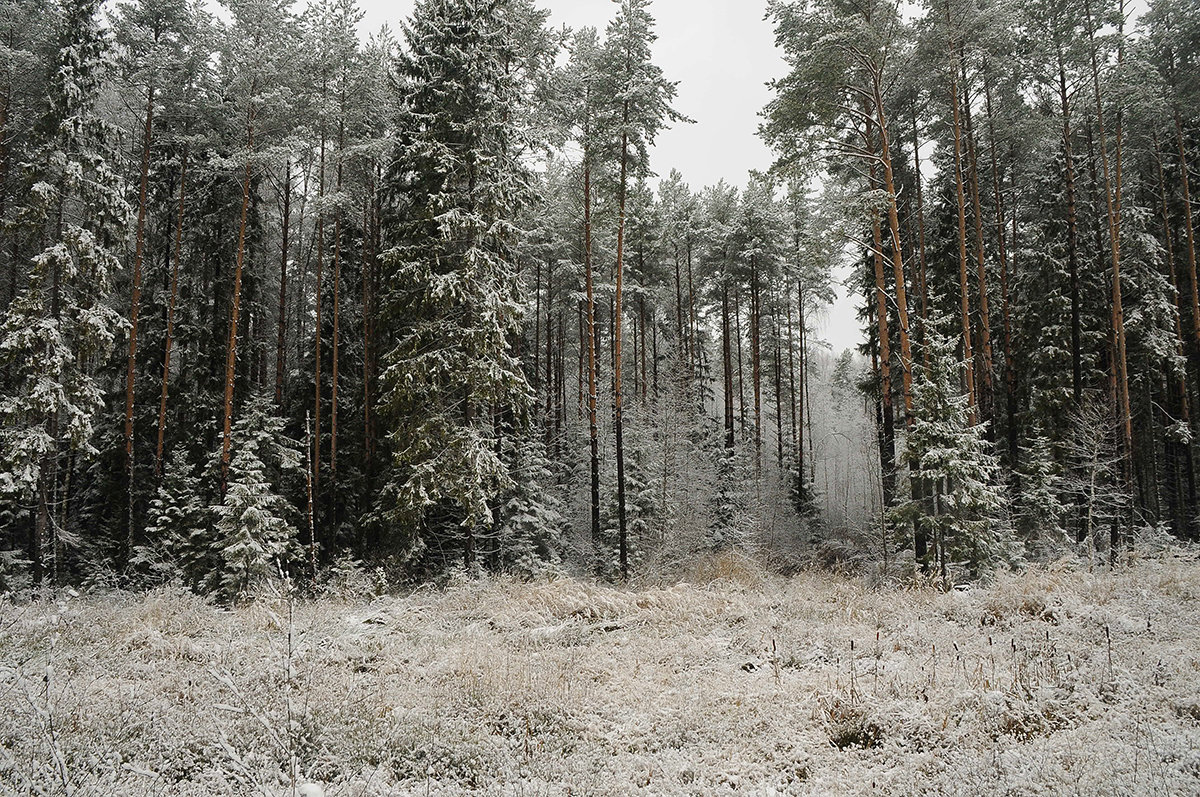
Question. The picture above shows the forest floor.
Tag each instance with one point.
(1052, 681)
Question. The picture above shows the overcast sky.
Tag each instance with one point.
(722, 54)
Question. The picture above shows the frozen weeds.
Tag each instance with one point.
(1053, 681)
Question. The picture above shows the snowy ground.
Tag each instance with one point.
(735, 684)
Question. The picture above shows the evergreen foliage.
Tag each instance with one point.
(277, 296)
(451, 384)
(961, 507)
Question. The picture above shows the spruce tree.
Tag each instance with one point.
(452, 387)
(60, 327)
(255, 536)
(961, 507)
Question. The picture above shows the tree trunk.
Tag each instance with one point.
(887, 450)
(135, 310)
(801, 399)
(1112, 195)
(727, 361)
(924, 286)
(593, 426)
(1072, 235)
(618, 421)
(550, 329)
(1187, 512)
(1188, 228)
(985, 322)
(737, 320)
(337, 307)
(756, 363)
(5, 103)
(778, 393)
(889, 185)
(682, 341)
(166, 377)
(281, 342)
(231, 356)
(963, 287)
(1010, 373)
(642, 321)
(693, 337)
(316, 460)
(368, 258)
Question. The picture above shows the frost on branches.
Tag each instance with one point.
(452, 386)
(59, 329)
(956, 499)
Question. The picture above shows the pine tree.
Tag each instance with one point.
(641, 98)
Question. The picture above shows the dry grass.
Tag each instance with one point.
(1046, 682)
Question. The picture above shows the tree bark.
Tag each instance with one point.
(337, 308)
(281, 342)
(593, 426)
(921, 279)
(135, 309)
(1010, 372)
(727, 361)
(171, 302)
(1072, 235)
(756, 363)
(889, 185)
(618, 420)
(231, 356)
(987, 392)
(963, 287)
(1182, 397)
(1188, 228)
(1112, 195)
(801, 399)
(316, 441)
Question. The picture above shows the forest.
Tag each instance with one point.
(282, 300)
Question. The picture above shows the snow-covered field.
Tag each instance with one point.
(1047, 682)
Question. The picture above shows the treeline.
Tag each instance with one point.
(277, 299)
(1021, 173)
(281, 300)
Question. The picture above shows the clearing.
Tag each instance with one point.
(1051, 681)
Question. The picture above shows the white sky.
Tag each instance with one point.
(722, 53)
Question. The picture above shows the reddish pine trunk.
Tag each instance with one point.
(231, 356)
(283, 283)
(889, 186)
(985, 322)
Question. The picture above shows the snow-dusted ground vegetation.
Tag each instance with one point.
(1052, 681)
